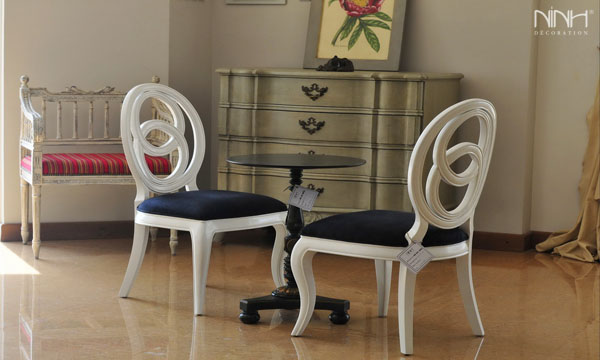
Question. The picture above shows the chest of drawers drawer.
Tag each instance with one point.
(321, 126)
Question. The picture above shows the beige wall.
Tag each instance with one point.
(190, 71)
(90, 43)
(490, 42)
(566, 83)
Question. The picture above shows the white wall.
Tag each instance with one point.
(89, 43)
(566, 84)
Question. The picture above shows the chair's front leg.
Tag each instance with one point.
(24, 211)
(278, 255)
(173, 241)
(36, 204)
(201, 247)
(406, 296)
(465, 284)
(383, 272)
(140, 241)
(302, 268)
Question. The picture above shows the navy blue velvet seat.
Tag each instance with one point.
(379, 227)
(211, 205)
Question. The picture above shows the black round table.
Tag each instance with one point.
(286, 297)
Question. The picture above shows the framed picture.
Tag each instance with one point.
(368, 32)
(255, 2)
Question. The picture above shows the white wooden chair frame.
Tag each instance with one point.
(428, 210)
(35, 143)
(183, 175)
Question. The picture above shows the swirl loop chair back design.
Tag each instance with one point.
(382, 235)
(203, 213)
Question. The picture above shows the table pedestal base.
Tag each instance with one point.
(250, 307)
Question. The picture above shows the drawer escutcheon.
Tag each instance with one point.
(314, 91)
(311, 125)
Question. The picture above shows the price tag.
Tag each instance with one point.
(415, 257)
(303, 198)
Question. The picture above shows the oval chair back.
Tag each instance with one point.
(134, 133)
(426, 202)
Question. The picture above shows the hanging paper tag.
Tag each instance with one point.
(303, 198)
(415, 257)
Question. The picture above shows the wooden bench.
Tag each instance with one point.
(97, 157)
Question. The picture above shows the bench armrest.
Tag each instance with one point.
(32, 123)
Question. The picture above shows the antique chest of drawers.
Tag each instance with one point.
(376, 116)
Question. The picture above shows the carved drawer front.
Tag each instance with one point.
(315, 92)
(334, 193)
(400, 95)
(322, 126)
(235, 147)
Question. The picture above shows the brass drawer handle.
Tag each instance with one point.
(311, 125)
(314, 91)
(320, 190)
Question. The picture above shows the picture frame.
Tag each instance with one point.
(255, 2)
(370, 36)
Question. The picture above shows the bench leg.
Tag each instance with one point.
(37, 210)
(153, 233)
(173, 241)
(24, 211)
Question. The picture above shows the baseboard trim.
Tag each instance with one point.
(538, 237)
(124, 229)
(72, 230)
(502, 241)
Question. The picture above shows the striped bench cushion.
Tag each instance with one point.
(93, 164)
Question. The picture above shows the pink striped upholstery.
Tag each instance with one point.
(93, 164)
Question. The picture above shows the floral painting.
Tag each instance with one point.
(363, 15)
(357, 29)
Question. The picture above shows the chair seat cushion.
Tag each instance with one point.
(93, 164)
(379, 227)
(211, 205)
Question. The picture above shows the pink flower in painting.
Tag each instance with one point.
(356, 8)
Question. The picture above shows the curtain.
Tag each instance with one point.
(582, 242)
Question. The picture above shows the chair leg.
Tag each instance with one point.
(36, 205)
(383, 272)
(173, 241)
(406, 296)
(278, 255)
(201, 247)
(153, 233)
(465, 284)
(24, 211)
(140, 241)
(303, 273)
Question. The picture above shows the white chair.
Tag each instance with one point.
(203, 213)
(382, 235)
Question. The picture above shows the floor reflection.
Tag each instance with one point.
(533, 306)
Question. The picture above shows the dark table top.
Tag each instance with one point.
(296, 161)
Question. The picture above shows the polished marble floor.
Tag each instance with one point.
(65, 306)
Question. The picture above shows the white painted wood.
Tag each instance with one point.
(428, 210)
(136, 144)
(36, 205)
(33, 140)
(383, 273)
(24, 211)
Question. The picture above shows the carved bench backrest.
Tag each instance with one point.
(83, 114)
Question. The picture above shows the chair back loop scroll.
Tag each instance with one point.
(136, 144)
(427, 204)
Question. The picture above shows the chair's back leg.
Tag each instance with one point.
(406, 297)
(173, 241)
(383, 272)
(465, 284)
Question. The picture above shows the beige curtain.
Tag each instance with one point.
(582, 242)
